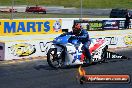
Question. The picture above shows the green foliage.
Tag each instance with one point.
(31, 15)
(73, 3)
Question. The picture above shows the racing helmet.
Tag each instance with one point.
(76, 28)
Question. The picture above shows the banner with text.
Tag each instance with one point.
(19, 26)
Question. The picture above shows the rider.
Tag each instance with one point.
(83, 36)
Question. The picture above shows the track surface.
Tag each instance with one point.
(37, 74)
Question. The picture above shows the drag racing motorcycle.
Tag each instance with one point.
(67, 51)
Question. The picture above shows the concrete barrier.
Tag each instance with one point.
(33, 45)
(25, 46)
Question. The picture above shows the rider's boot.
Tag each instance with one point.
(89, 61)
(89, 58)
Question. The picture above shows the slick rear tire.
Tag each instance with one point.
(104, 54)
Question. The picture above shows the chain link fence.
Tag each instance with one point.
(19, 11)
(14, 9)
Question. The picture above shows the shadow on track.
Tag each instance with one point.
(111, 58)
(45, 67)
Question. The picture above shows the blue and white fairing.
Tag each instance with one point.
(73, 49)
(61, 40)
(65, 40)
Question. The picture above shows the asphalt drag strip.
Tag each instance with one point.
(37, 74)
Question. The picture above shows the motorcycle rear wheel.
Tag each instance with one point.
(104, 54)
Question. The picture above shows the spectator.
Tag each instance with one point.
(127, 21)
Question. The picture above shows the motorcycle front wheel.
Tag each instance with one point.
(54, 60)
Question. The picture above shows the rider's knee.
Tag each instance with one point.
(86, 46)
